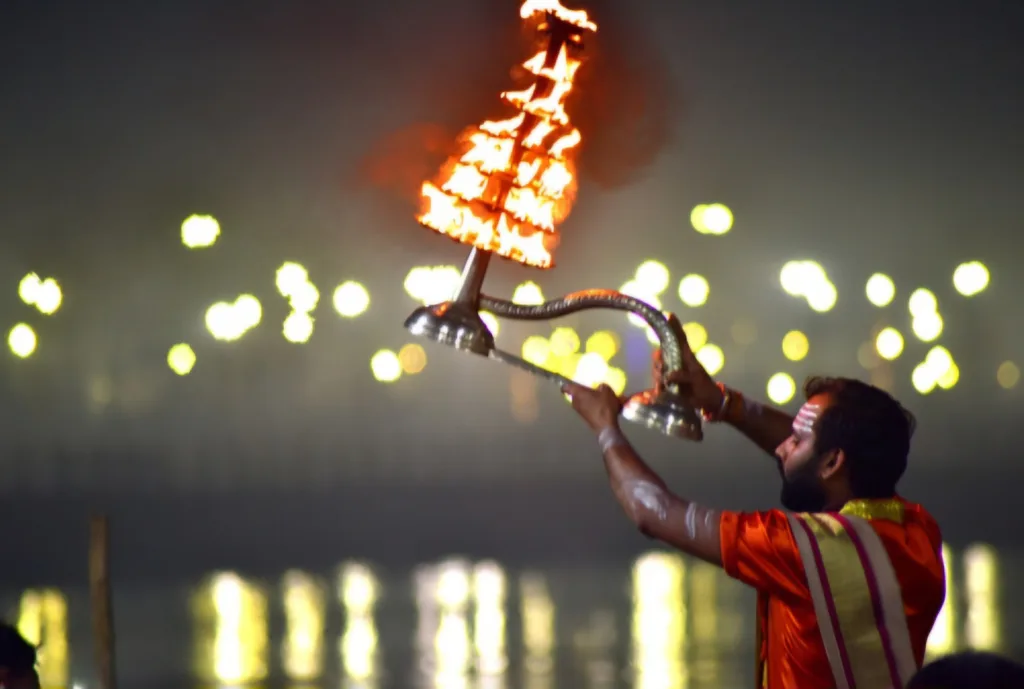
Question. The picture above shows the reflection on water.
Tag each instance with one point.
(358, 592)
(472, 625)
(43, 620)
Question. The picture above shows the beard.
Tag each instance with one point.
(803, 492)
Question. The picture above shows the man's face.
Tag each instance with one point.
(802, 487)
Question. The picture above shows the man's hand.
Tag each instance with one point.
(696, 386)
(599, 407)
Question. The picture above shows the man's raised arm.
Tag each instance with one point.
(658, 513)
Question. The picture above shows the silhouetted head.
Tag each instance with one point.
(849, 440)
(969, 670)
(17, 660)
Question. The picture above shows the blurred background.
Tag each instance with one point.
(209, 246)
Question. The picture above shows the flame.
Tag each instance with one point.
(515, 180)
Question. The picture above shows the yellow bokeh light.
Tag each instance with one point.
(199, 231)
(694, 290)
(923, 378)
(1008, 375)
(536, 350)
(225, 323)
(603, 343)
(386, 366)
(696, 335)
(564, 341)
(412, 358)
(637, 290)
(822, 297)
(432, 284)
(970, 278)
(711, 357)
(781, 388)
(181, 359)
(289, 277)
(491, 321)
(591, 370)
(248, 310)
(795, 345)
(49, 297)
(889, 343)
(714, 219)
(809, 280)
(297, 327)
(28, 288)
(304, 297)
(927, 326)
(922, 303)
(616, 379)
(46, 295)
(949, 377)
(654, 276)
(528, 294)
(351, 299)
(22, 340)
(880, 289)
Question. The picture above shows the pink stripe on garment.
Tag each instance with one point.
(819, 563)
(876, 598)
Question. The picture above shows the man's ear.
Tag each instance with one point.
(832, 464)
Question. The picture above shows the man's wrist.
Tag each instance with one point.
(610, 436)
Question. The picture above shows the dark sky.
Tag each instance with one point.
(873, 135)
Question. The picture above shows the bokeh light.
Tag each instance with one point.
(653, 276)
(711, 357)
(386, 366)
(694, 290)
(297, 327)
(604, 343)
(536, 349)
(927, 327)
(970, 278)
(229, 321)
(696, 335)
(1008, 375)
(781, 388)
(528, 294)
(46, 295)
(199, 231)
(432, 284)
(22, 340)
(351, 299)
(809, 280)
(922, 302)
(181, 359)
(713, 219)
(880, 289)
(889, 343)
(412, 358)
(795, 345)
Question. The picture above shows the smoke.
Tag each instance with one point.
(625, 106)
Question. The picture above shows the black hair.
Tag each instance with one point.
(871, 428)
(17, 655)
(969, 670)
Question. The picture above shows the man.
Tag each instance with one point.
(17, 660)
(849, 581)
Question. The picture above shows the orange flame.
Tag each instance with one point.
(515, 180)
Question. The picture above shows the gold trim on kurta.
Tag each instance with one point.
(889, 509)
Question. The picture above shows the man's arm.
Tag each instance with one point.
(658, 513)
(766, 426)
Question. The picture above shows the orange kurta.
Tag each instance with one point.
(758, 549)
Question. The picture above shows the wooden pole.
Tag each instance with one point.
(102, 603)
